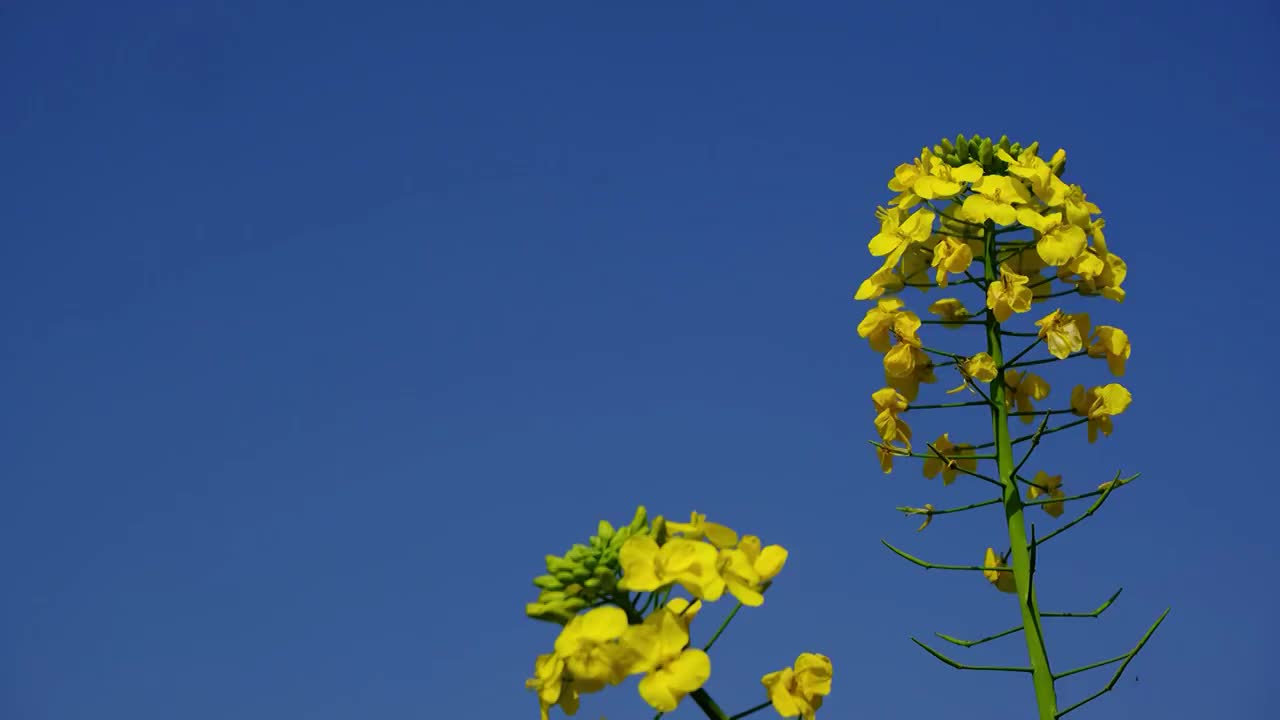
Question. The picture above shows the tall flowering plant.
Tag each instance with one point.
(626, 601)
(993, 216)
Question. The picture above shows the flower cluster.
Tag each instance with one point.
(632, 626)
(996, 216)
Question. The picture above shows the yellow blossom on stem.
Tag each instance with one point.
(587, 644)
(747, 567)
(658, 648)
(980, 367)
(556, 687)
(950, 310)
(951, 255)
(957, 458)
(698, 528)
(944, 181)
(903, 359)
(881, 281)
(1103, 272)
(1078, 207)
(1058, 242)
(885, 453)
(1008, 295)
(683, 610)
(1099, 404)
(1045, 484)
(1022, 390)
(899, 231)
(1113, 344)
(1002, 580)
(888, 403)
(995, 199)
(800, 690)
(692, 563)
(1046, 186)
(884, 320)
(904, 179)
(1063, 333)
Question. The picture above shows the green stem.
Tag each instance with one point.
(708, 705)
(939, 406)
(722, 627)
(1128, 657)
(917, 511)
(753, 710)
(935, 566)
(1041, 673)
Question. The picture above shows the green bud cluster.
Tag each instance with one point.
(587, 574)
(982, 150)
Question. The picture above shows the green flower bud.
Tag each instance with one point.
(975, 145)
(550, 596)
(962, 148)
(596, 542)
(1004, 143)
(946, 147)
(1034, 147)
(572, 605)
(566, 576)
(640, 520)
(604, 530)
(558, 564)
(984, 153)
(577, 552)
(592, 583)
(547, 582)
(1015, 149)
(659, 530)
(581, 573)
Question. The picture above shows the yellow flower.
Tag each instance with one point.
(1100, 271)
(996, 196)
(886, 319)
(951, 255)
(1099, 404)
(944, 181)
(1078, 207)
(698, 528)
(1057, 242)
(799, 691)
(1003, 581)
(904, 179)
(555, 687)
(957, 459)
(885, 454)
(1047, 186)
(881, 281)
(1023, 388)
(980, 367)
(684, 610)
(1113, 344)
(647, 567)
(587, 644)
(899, 231)
(888, 403)
(1052, 486)
(1009, 294)
(658, 648)
(747, 567)
(950, 310)
(1064, 334)
(909, 385)
(907, 356)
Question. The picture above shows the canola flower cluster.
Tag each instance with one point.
(613, 597)
(951, 223)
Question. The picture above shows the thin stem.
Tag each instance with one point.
(1081, 496)
(1120, 670)
(1018, 628)
(906, 453)
(1042, 361)
(1106, 493)
(749, 711)
(1090, 666)
(939, 406)
(918, 511)
(962, 666)
(1015, 333)
(944, 353)
(709, 706)
(953, 322)
(721, 629)
(1025, 350)
(1035, 440)
(935, 566)
(953, 466)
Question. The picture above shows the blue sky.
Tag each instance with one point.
(323, 324)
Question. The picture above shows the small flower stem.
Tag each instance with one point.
(913, 511)
(953, 322)
(1035, 440)
(1120, 670)
(709, 706)
(1014, 333)
(1060, 293)
(1018, 628)
(1041, 673)
(935, 566)
(1092, 508)
(923, 456)
(939, 406)
(1041, 361)
(722, 627)
(751, 711)
(943, 353)
(962, 666)
(1025, 350)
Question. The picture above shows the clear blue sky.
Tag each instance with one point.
(323, 324)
